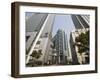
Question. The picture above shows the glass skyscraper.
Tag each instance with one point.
(60, 43)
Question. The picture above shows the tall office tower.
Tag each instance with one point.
(38, 35)
(60, 43)
(80, 21)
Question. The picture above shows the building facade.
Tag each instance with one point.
(76, 56)
(33, 26)
(81, 23)
(38, 36)
(60, 44)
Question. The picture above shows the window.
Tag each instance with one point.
(38, 42)
(27, 37)
(46, 34)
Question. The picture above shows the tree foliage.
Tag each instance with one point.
(36, 54)
(82, 41)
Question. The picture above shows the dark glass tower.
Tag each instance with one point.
(79, 21)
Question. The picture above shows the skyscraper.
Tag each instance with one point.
(81, 23)
(33, 26)
(38, 35)
(60, 43)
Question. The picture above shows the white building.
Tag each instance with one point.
(40, 29)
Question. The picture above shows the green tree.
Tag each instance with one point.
(36, 54)
(82, 41)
